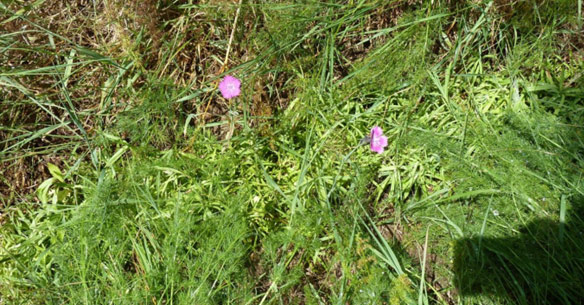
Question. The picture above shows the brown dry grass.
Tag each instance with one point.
(37, 42)
(139, 31)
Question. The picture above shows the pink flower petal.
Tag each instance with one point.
(383, 141)
(378, 140)
(230, 87)
(376, 131)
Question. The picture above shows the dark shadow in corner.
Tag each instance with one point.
(543, 264)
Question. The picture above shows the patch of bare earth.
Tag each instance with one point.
(415, 249)
(314, 274)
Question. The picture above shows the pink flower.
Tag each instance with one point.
(378, 140)
(229, 87)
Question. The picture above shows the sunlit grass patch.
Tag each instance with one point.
(133, 176)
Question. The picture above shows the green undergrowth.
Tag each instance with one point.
(168, 194)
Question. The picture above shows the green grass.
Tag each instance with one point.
(127, 179)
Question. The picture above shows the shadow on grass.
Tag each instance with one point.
(543, 264)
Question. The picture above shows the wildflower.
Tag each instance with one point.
(378, 140)
(229, 87)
